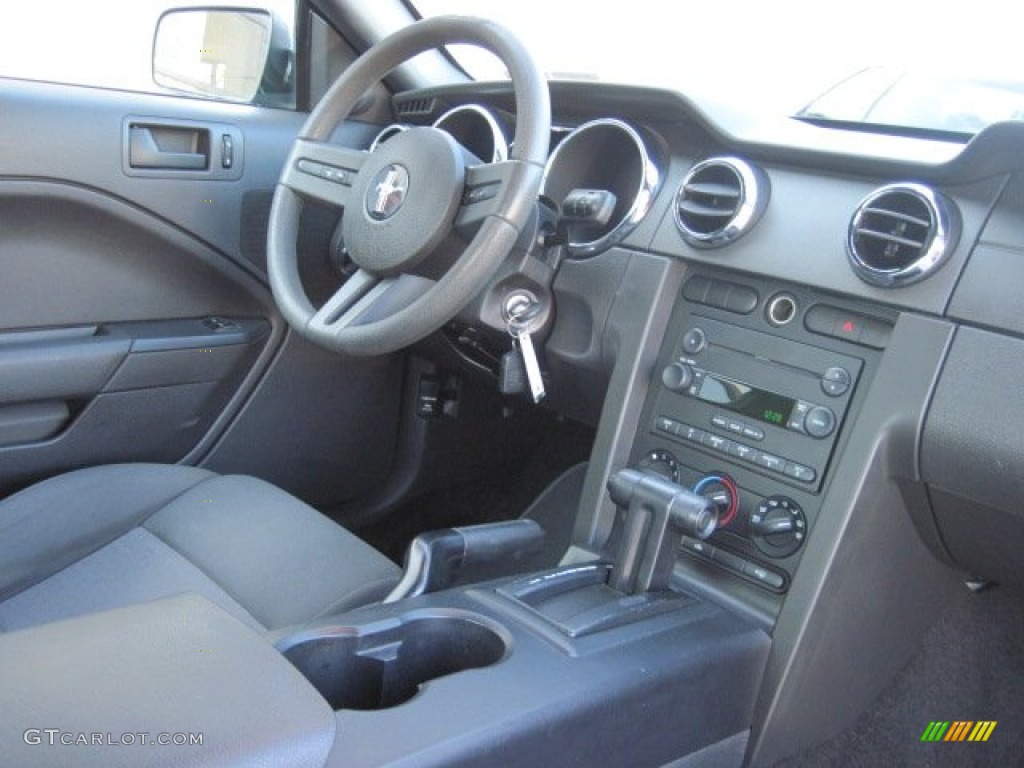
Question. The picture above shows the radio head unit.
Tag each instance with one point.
(771, 404)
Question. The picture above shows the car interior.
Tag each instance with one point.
(384, 416)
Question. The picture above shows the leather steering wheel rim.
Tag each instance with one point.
(381, 309)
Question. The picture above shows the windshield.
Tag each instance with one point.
(777, 58)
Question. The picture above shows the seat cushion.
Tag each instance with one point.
(109, 536)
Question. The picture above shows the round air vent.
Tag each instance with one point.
(900, 234)
(719, 200)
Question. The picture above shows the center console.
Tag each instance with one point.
(747, 405)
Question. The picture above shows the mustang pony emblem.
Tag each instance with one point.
(387, 193)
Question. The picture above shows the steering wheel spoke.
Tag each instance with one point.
(322, 171)
(365, 298)
(335, 313)
(485, 187)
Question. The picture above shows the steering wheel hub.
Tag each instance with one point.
(411, 188)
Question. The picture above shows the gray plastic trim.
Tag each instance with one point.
(865, 544)
(631, 339)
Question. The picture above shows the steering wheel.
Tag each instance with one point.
(404, 198)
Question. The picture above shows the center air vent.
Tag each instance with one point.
(719, 200)
(900, 234)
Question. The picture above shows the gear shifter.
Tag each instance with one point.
(656, 514)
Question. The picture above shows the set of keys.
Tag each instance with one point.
(522, 312)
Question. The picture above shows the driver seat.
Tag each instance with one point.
(110, 536)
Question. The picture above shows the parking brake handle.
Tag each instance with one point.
(435, 558)
(655, 515)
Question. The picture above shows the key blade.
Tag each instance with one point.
(533, 374)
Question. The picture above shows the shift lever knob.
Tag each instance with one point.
(656, 514)
(435, 558)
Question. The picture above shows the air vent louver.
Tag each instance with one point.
(900, 234)
(719, 200)
(415, 107)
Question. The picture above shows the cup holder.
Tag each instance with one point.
(383, 665)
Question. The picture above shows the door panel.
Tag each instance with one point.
(133, 327)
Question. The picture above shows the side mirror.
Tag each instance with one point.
(238, 55)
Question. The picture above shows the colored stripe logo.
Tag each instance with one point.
(959, 730)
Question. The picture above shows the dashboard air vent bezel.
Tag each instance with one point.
(417, 107)
(908, 217)
(719, 200)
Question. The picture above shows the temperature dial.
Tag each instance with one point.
(778, 526)
(662, 463)
(722, 490)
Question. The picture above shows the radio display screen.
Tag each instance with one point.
(742, 398)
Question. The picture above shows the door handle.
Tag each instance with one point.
(170, 147)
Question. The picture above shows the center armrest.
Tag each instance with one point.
(127, 687)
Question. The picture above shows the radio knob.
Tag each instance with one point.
(694, 341)
(677, 377)
(820, 422)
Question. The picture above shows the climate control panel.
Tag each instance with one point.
(756, 534)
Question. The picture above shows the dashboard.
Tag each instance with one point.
(816, 287)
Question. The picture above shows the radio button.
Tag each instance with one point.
(769, 461)
(753, 433)
(820, 422)
(692, 434)
(665, 424)
(719, 421)
(735, 426)
(835, 382)
(715, 442)
(800, 472)
(741, 451)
